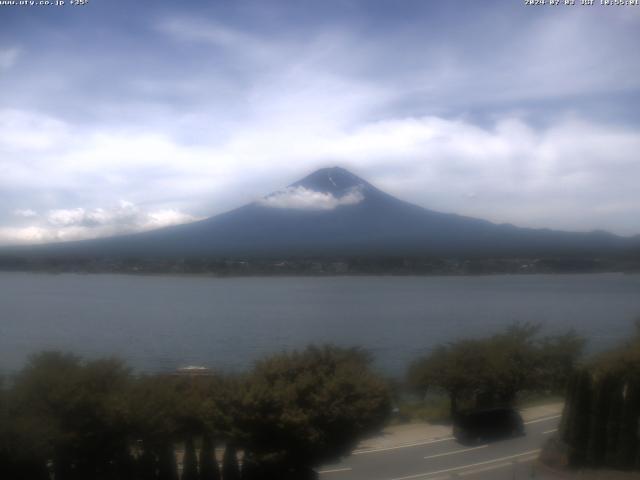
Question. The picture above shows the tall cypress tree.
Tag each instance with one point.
(598, 422)
(637, 424)
(578, 434)
(167, 468)
(628, 439)
(230, 469)
(250, 467)
(614, 417)
(147, 465)
(209, 469)
(568, 412)
(62, 464)
(190, 461)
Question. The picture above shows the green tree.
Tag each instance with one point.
(300, 409)
(78, 412)
(22, 453)
(173, 409)
(190, 461)
(596, 448)
(146, 465)
(204, 409)
(492, 371)
(251, 469)
(559, 356)
(209, 469)
(628, 441)
(230, 468)
(578, 431)
(614, 417)
(459, 369)
(568, 412)
(167, 468)
(154, 404)
(601, 415)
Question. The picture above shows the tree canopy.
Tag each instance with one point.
(303, 408)
(94, 419)
(490, 371)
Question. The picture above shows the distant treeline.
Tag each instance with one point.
(357, 265)
(70, 419)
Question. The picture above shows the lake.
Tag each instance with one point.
(163, 322)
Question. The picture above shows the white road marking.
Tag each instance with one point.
(527, 459)
(455, 451)
(486, 469)
(429, 442)
(549, 431)
(335, 470)
(542, 419)
(463, 467)
(496, 467)
(407, 445)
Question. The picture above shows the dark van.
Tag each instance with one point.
(482, 425)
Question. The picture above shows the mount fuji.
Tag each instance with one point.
(334, 212)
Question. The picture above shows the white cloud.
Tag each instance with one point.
(28, 131)
(80, 223)
(301, 198)
(25, 213)
(18, 235)
(216, 34)
(67, 217)
(165, 218)
(8, 57)
(567, 175)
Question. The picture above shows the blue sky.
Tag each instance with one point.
(121, 116)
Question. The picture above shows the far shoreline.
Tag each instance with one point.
(308, 276)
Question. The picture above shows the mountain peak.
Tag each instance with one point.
(334, 180)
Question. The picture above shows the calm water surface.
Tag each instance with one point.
(158, 323)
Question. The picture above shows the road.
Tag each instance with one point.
(445, 458)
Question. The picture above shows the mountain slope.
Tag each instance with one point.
(334, 212)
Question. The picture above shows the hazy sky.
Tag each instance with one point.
(118, 116)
